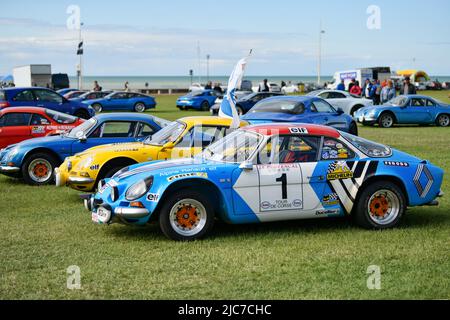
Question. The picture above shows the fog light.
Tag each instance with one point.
(103, 215)
(10, 164)
(85, 174)
(136, 204)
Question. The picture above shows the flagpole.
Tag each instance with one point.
(319, 60)
(80, 75)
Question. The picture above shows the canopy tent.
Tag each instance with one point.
(415, 75)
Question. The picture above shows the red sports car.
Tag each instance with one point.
(22, 123)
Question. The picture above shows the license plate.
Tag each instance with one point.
(95, 217)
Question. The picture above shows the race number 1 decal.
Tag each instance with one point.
(280, 187)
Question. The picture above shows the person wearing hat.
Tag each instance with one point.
(408, 87)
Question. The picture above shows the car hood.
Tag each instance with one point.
(43, 141)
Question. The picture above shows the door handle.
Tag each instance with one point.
(320, 178)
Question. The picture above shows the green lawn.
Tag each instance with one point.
(43, 230)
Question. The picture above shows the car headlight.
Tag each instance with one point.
(371, 113)
(85, 162)
(138, 189)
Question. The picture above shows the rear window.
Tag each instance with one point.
(60, 117)
(279, 106)
(2, 95)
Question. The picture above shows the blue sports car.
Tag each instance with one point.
(270, 173)
(127, 101)
(300, 109)
(244, 104)
(35, 160)
(43, 98)
(200, 100)
(91, 95)
(411, 109)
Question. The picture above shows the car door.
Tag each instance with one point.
(281, 177)
(324, 114)
(24, 98)
(39, 125)
(415, 111)
(51, 100)
(118, 101)
(106, 133)
(14, 128)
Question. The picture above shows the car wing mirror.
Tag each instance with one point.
(340, 111)
(246, 165)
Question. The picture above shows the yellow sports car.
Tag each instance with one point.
(180, 139)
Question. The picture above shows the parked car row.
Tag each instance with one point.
(296, 168)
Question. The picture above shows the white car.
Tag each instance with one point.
(342, 99)
(273, 87)
(196, 87)
(290, 89)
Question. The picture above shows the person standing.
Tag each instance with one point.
(366, 89)
(356, 89)
(264, 87)
(388, 92)
(377, 93)
(97, 86)
(351, 84)
(341, 86)
(208, 86)
(408, 87)
(126, 87)
(218, 88)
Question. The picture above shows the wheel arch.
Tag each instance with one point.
(393, 179)
(390, 112)
(355, 108)
(199, 184)
(49, 151)
(114, 162)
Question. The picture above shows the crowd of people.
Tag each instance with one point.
(377, 91)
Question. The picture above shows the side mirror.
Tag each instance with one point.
(246, 165)
(168, 145)
(340, 111)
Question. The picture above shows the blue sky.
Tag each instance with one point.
(160, 37)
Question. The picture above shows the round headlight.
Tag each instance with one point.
(138, 189)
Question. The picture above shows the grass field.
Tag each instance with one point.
(43, 230)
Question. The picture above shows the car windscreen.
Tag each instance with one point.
(279, 106)
(161, 122)
(369, 148)
(169, 133)
(83, 129)
(60, 117)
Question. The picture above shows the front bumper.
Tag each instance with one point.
(109, 215)
(8, 169)
(80, 180)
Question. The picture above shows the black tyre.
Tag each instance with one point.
(110, 173)
(386, 120)
(139, 107)
(381, 205)
(97, 107)
(353, 129)
(239, 110)
(204, 106)
(186, 215)
(83, 114)
(443, 120)
(38, 169)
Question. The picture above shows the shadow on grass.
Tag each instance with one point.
(425, 219)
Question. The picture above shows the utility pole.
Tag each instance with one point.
(319, 60)
(199, 62)
(207, 67)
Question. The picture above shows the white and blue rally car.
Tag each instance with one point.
(268, 173)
